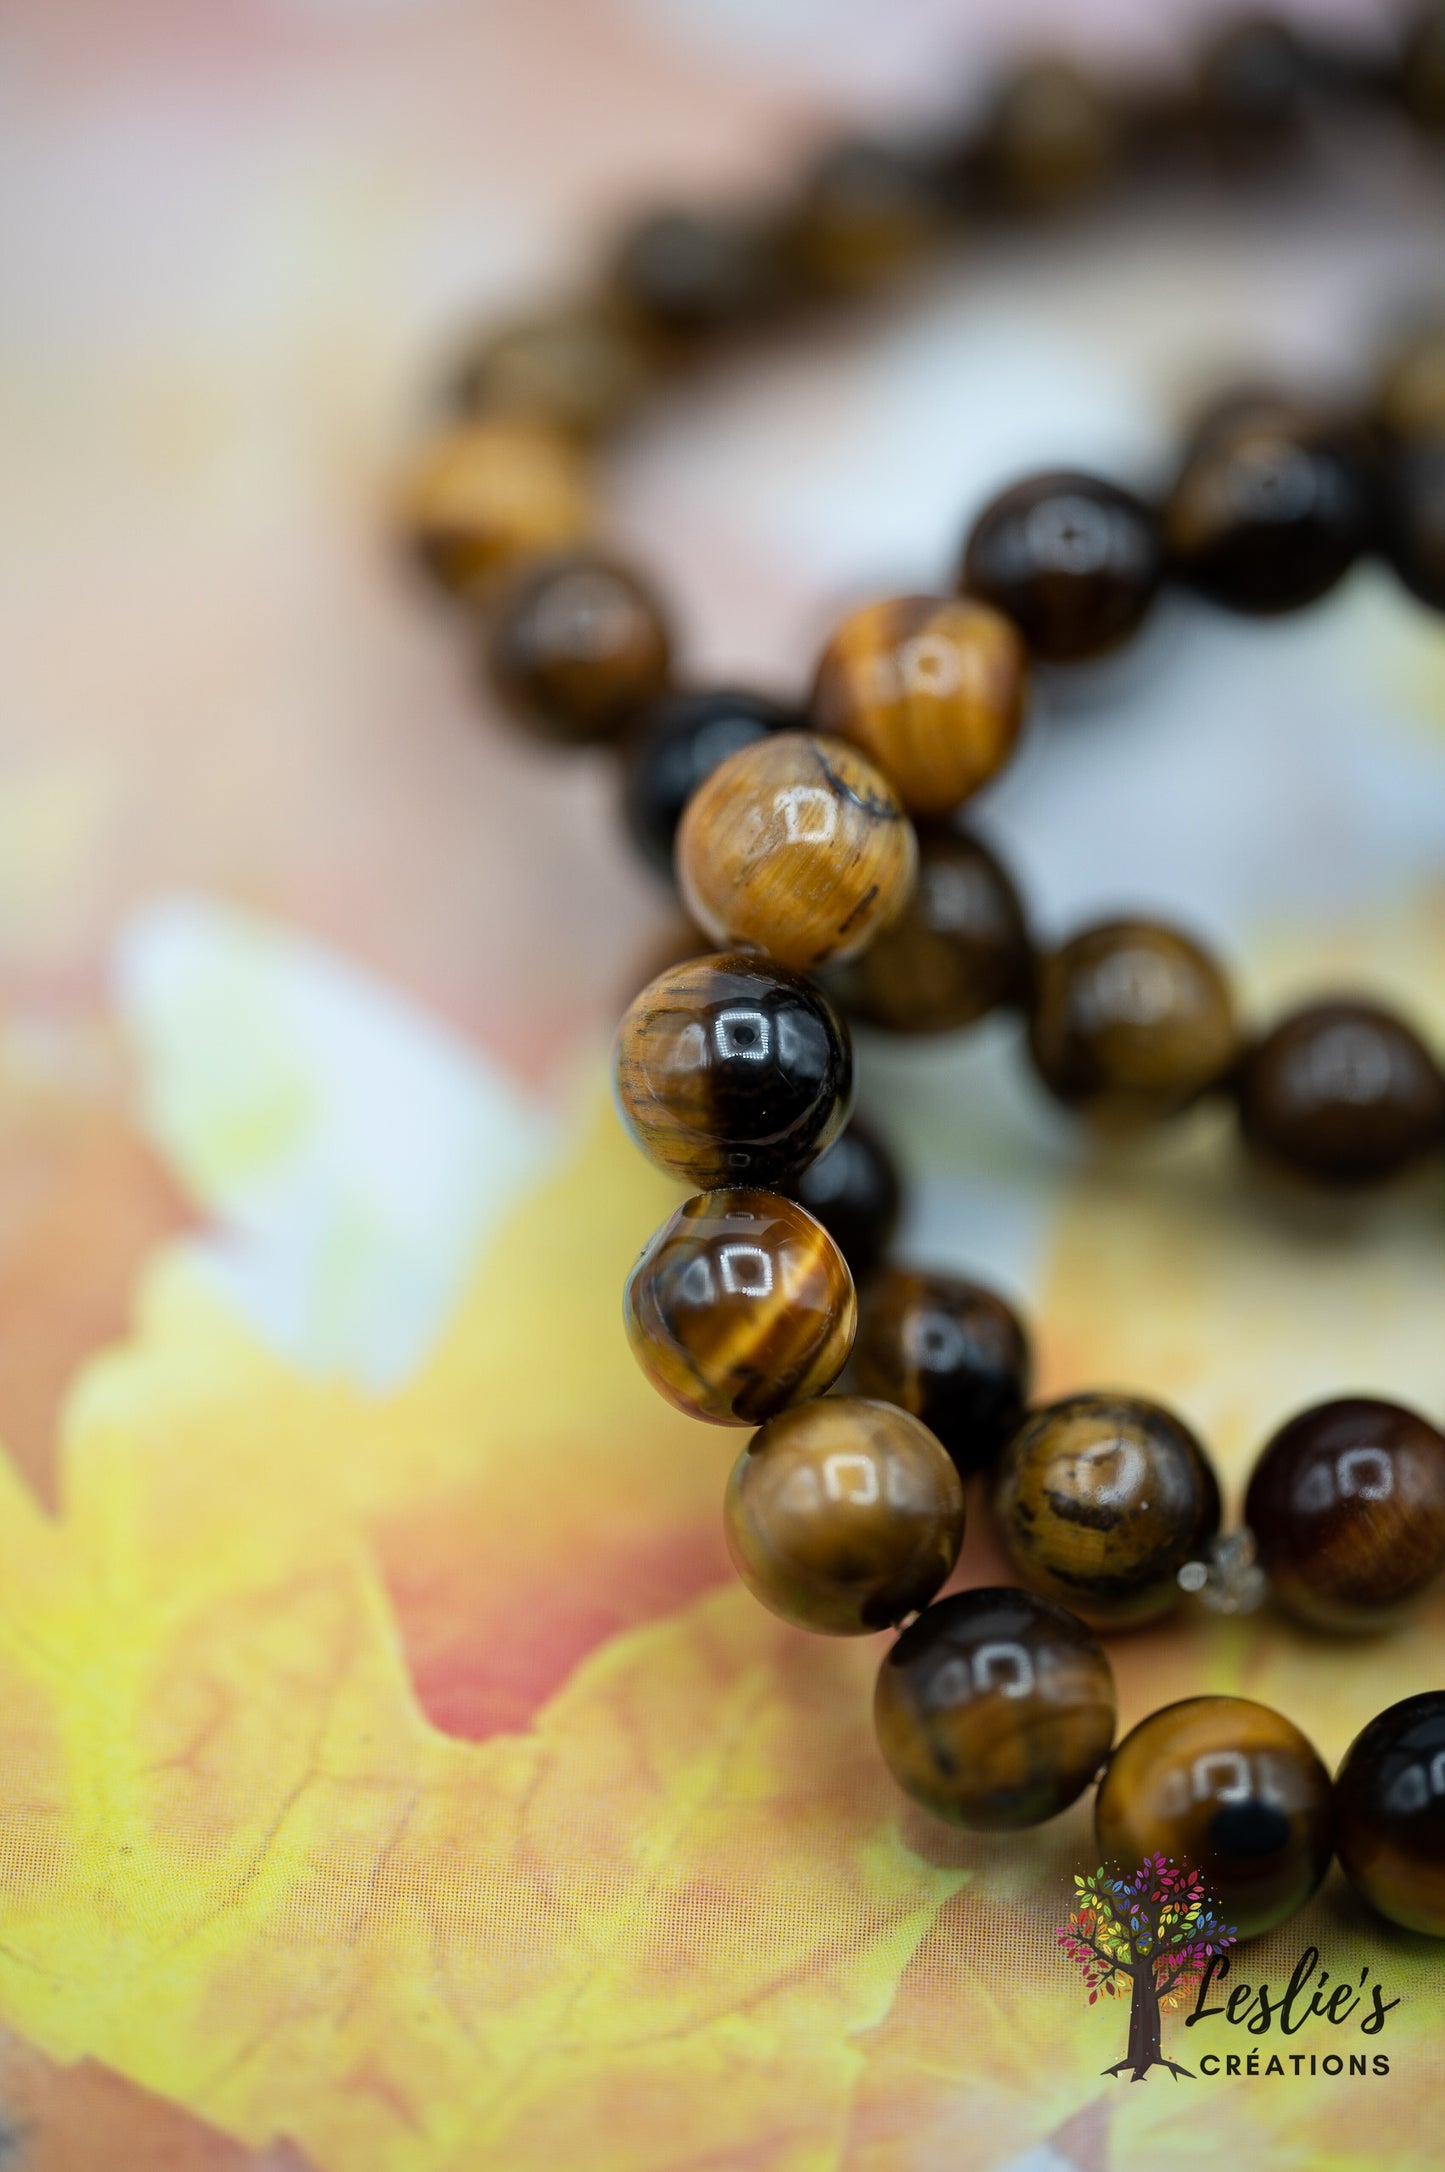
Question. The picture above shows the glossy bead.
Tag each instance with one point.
(959, 950)
(1390, 1813)
(1100, 1500)
(951, 1352)
(1422, 66)
(688, 273)
(1269, 510)
(844, 1516)
(1342, 1092)
(491, 494)
(1131, 1023)
(854, 1190)
(739, 1306)
(579, 645)
(731, 1070)
(1347, 1508)
(1232, 1789)
(797, 845)
(1052, 139)
(1412, 516)
(867, 210)
(580, 368)
(932, 690)
(1072, 560)
(995, 1709)
(675, 745)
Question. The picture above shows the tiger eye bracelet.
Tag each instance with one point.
(816, 849)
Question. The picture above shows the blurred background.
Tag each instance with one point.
(339, 1528)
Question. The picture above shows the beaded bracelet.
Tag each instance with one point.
(845, 1514)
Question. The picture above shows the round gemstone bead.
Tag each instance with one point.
(491, 494)
(733, 1071)
(798, 846)
(844, 1516)
(1231, 1788)
(1074, 561)
(931, 689)
(1390, 1813)
(740, 1306)
(1347, 1508)
(579, 645)
(580, 368)
(995, 1709)
(1343, 1092)
(1100, 1500)
(959, 950)
(855, 1191)
(951, 1352)
(1131, 1023)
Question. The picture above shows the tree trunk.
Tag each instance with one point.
(1144, 2023)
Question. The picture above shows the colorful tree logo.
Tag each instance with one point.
(1155, 1932)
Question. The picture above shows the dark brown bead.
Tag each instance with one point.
(1052, 139)
(740, 1306)
(688, 273)
(579, 645)
(1131, 1023)
(1410, 389)
(1390, 1813)
(491, 494)
(844, 1516)
(868, 210)
(1254, 75)
(1270, 509)
(731, 1070)
(854, 1191)
(1072, 560)
(796, 845)
(951, 1352)
(931, 688)
(1347, 1507)
(677, 743)
(959, 950)
(1422, 66)
(1100, 1500)
(1342, 1092)
(1231, 1788)
(995, 1709)
(1412, 516)
(580, 368)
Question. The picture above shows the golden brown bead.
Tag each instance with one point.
(733, 1070)
(995, 1709)
(1053, 138)
(739, 1306)
(1131, 1023)
(580, 368)
(868, 210)
(1232, 1789)
(1347, 1507)
(1100, 1500)
(1390, 1813)
(1343, 1092)
(931, 689)
(844, 1516)
(796, 845)
(959, 950)
(490, 494)
(578, 647)
(952, 1353)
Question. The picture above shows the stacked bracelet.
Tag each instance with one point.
(814, 848)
